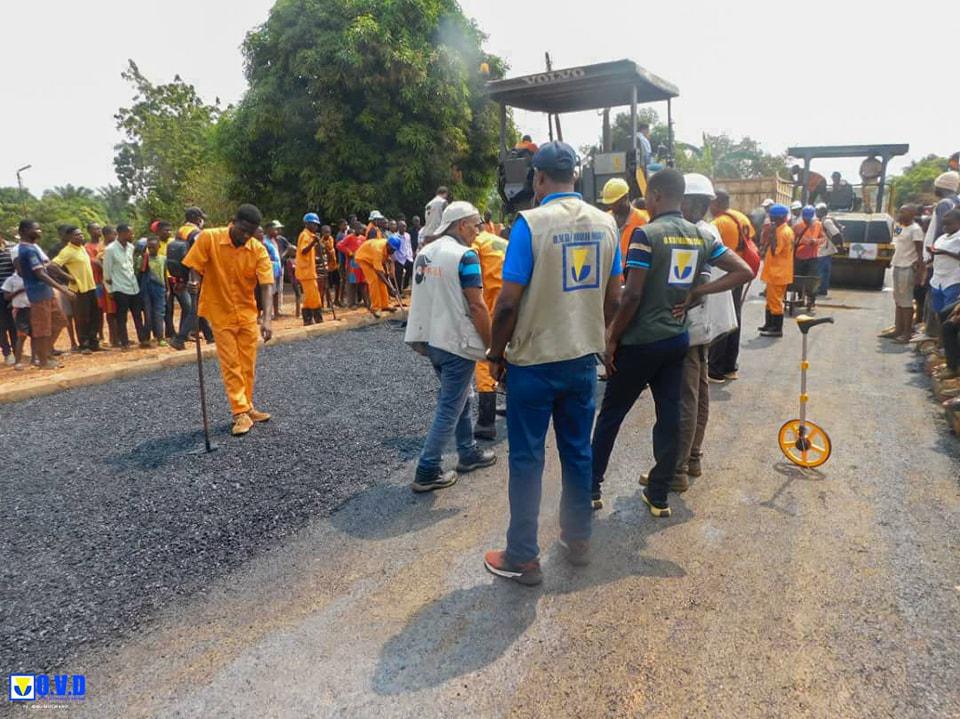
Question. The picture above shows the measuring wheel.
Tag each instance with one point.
(804, 443)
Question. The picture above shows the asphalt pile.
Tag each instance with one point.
(109, 514)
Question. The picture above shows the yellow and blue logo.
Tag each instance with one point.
(23, 688)
(39, 687)
(581, 269)
(683, 267)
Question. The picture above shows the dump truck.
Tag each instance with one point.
(589, 87)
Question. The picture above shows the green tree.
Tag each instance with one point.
(915, 183)
(117, 203)
(69, 192)
(362, 104)
(169, 133)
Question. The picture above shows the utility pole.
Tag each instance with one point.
(23, 201)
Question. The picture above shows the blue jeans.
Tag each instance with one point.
(824, 266)
(154, 297)
(453, 416)
(188, 316)
(535, 393)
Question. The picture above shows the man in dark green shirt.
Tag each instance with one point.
(647, 339)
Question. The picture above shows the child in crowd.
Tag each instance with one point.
(329, 253)
(907, 265)
(153, 289)
(16, 294)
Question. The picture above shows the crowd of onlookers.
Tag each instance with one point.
(94, 281)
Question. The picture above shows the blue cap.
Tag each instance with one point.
(312, 217)
(555, 156)
(779, 210)
(809, 212)
(394, 242)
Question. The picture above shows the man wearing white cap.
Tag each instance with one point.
(450, 325)
(796, 208)
(433, 214)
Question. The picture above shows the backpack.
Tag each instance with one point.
(746, 248)
(176, 250)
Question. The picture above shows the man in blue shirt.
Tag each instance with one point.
(46, 319)
(560, 284)
(647, 339)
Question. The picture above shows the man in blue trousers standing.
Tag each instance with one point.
(560, 285)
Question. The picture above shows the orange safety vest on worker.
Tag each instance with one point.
(808, 240)
(377, 232)
(305, 270)
(227, 301)
(636, 218)
(492, 251)
(372, 256)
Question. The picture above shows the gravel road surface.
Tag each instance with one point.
(770, 592)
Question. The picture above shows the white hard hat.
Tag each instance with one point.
(767, 203)
(797, 205)
(948, 181)
(697, 184)
(375, 215)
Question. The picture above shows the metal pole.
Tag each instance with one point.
(805, 179)
(606, 129)
(503, 131)
(633, 117)
(803, 383)
(882, 185)
(203, 389)
(670, 158)
(23, 200)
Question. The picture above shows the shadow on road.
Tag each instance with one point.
(468, 629)
(792, 474)
(389, 511)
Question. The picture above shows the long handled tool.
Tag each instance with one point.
(203, 394)
(396, 292)
(326, 295)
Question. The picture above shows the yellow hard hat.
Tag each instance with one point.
(615, 188)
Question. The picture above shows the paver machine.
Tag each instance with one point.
(589, 87)
(867, 235)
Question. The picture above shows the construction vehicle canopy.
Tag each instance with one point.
(588, 87)
(868, 235)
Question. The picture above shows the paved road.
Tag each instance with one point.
(768, 593)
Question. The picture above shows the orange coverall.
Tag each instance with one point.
(372, 256)
(777, 265)
(492, 251)
(305, 269)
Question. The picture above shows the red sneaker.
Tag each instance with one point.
(528, 574)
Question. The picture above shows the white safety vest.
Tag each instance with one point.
(439, 314)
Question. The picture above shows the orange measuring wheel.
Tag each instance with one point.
(804, 443)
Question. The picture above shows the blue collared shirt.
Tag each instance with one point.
(518, 264)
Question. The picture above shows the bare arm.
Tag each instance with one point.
(505, 317)
(41, 274)
(478, 312)
(266, 298)
(629, 303)
(611, 300)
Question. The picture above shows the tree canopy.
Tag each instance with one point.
(362, 104)
(915, 183)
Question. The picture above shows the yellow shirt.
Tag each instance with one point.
(305, 265)
(330, 252)
(374, 252)
(492, 251)
(729, 231)
(230, 276)
(163, 247)
(75, 260)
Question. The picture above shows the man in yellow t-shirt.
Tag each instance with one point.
(231, 262)
(75, 260)
(492, 250)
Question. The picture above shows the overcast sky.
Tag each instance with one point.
(746, 68)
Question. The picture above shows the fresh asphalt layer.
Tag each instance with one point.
(770, 592)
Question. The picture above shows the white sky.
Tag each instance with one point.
(733, 63)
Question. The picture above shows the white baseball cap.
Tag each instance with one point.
(767, 203)
(454, 212)
(797, 205)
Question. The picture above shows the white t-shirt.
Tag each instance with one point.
(14, 283)
(433, 215)
(904, 249)
(946, 270)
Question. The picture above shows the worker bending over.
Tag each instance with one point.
(230, 262)
(374, 257)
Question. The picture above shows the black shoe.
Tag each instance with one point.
(318, 317)
(576, 551)
(176, 343)
(775, 329)
(657, 510)
(481, 458)
(768, 320)
(440, 481)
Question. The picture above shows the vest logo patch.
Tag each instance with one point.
(581, 266)
(683, 267)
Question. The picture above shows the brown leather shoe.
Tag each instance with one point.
(678, 484)
(257, 416)
(241, 425)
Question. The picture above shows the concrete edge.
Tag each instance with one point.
(153, 364)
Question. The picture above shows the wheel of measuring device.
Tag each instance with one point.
(809, 450)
